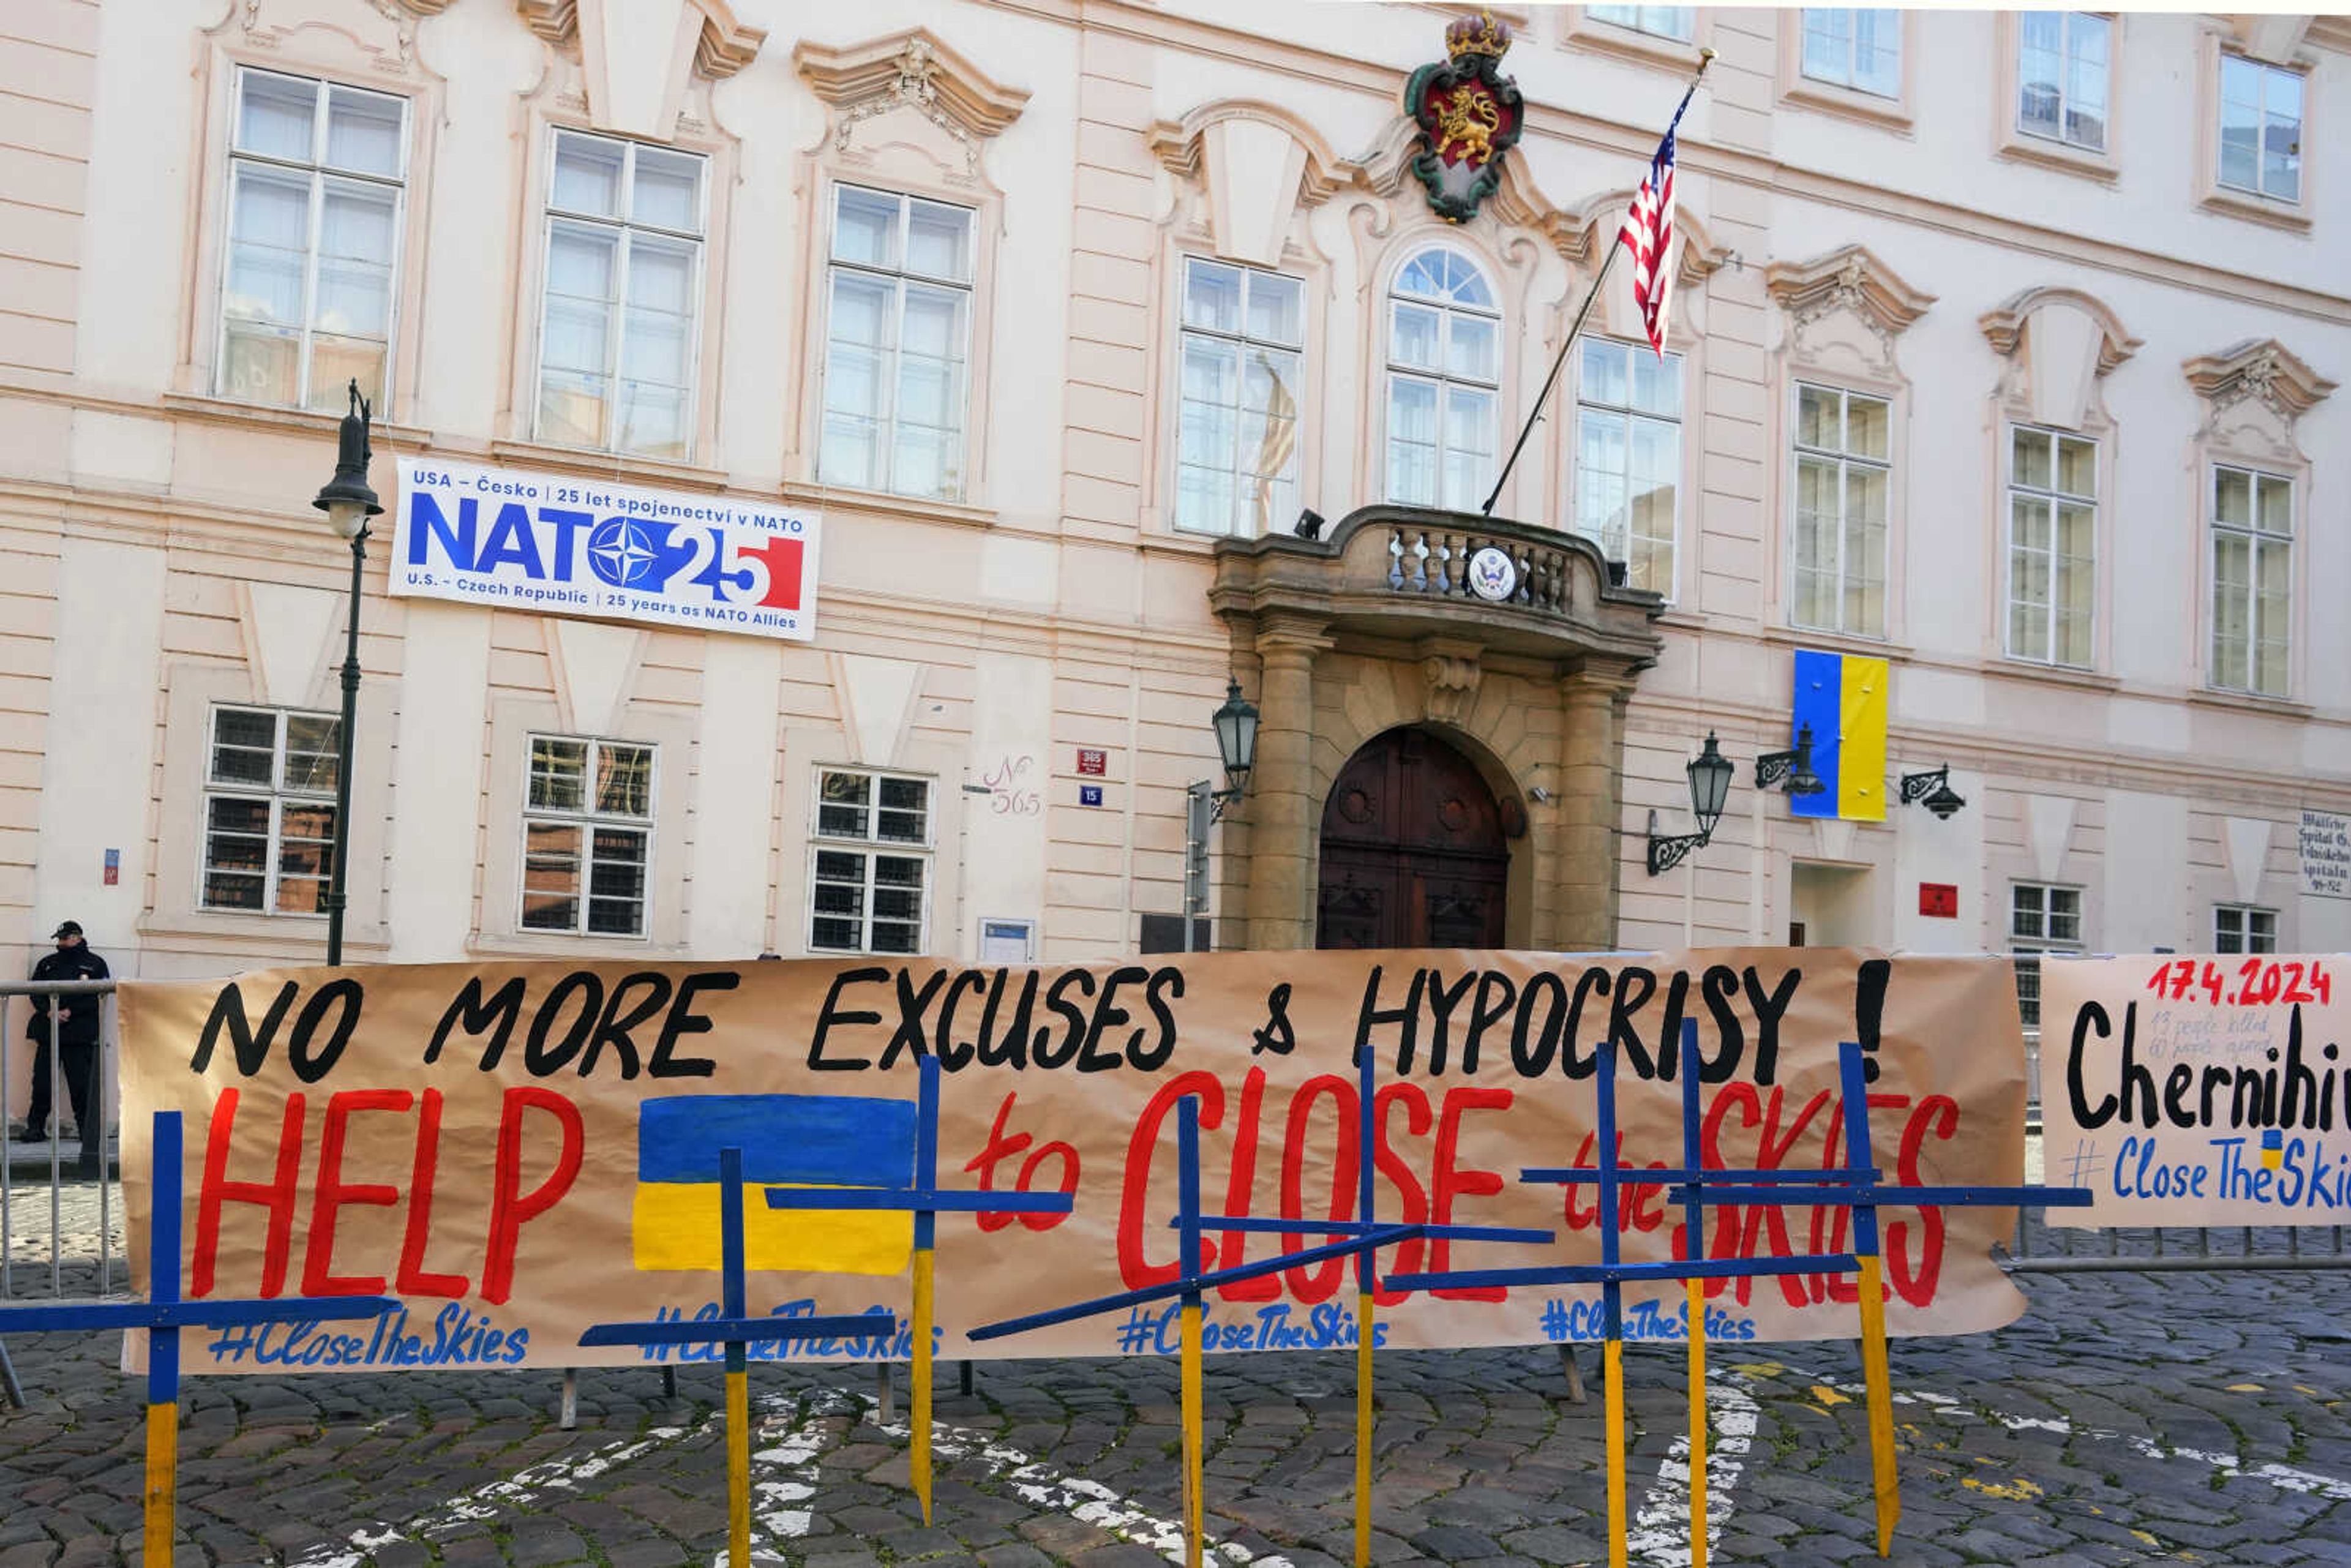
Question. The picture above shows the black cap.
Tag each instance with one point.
(70, 928)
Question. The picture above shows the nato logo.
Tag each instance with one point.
(623, 554)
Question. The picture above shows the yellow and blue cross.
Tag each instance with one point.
(163, 1315)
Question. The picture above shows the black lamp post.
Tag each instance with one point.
(1793, 770)
(1709, 785)
(348, 504)
(1204, 804)
(1933, 790)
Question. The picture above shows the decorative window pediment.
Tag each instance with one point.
(1848, 279)
(2058, 342)
(2263, 369)
(1254, 165)
(910, 72)
(639, 58)
(1849, 283)
(383, 42)
(2275, 37)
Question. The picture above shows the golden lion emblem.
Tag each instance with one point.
(1467, 120)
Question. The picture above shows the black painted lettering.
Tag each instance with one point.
(613, 1027)
(914, 1010)
(1769, 1008)
(1572, 1063)
(311, 1065)
(536, 1056)
(1109, 1014)
(683, 1020)
(1371, 1016)
(1164, 983)
(253, 1050)
(1073, 1017)
(833, 1014)
(954, 1054)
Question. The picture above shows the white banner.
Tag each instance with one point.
(2197, 1091)
(565, 546)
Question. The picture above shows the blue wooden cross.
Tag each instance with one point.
(736, 1328)
(1612, 1272)
(163, 1315)
(926, 1200)
(1364, 1237)
(1860, 1187)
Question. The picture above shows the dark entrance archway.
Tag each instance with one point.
(1413, 849)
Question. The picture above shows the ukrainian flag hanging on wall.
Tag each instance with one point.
(1843, 698)
(787, 1140)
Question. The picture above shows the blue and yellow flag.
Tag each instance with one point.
(1844, 697)
(787, 1140)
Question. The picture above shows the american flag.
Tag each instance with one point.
(1648, 234)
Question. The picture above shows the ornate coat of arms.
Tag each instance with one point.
(1469, 115)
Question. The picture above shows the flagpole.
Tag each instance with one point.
(1705, 58)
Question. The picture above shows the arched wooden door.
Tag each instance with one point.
(1413, 849)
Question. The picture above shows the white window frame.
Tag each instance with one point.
(2268, 75)
(627, 227)
(2258, 541)
(898, 277)
(590, 819)
(1848, 79)
(1586, 407)
(1442, 379)
(2066, 21)
(279, 795)
(2026, 946)
(871, 846)
(2050, 499)
(1845, 460)
(1656, 21)
(317, 168)
(2245, 937)
(1284, 485)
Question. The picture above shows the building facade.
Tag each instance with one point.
(2002, 350)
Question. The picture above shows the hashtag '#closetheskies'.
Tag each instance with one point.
(1138, 1332)
(2084, 1162)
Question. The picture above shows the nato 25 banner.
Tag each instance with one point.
(566, 546)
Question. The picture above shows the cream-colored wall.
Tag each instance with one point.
(1057, 610)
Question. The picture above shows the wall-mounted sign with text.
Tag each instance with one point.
(2326, 854)
(567, 546)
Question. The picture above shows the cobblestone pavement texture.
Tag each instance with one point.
(2126, 1418)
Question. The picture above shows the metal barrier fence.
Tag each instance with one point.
(2042, 1249)
(71, 1233)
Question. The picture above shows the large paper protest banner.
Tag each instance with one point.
(2197, 1091)
(520, 1150)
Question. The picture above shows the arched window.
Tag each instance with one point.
(1444, 367)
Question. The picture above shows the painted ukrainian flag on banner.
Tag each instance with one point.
(787, 1140)
(1843, 698)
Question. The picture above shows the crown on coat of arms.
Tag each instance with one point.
(1483, 34)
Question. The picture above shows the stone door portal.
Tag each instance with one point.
(1413, 849)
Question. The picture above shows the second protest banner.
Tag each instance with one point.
(520, 1150)
(2197, 1091)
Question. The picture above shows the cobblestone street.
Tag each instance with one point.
(2125, 1419)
